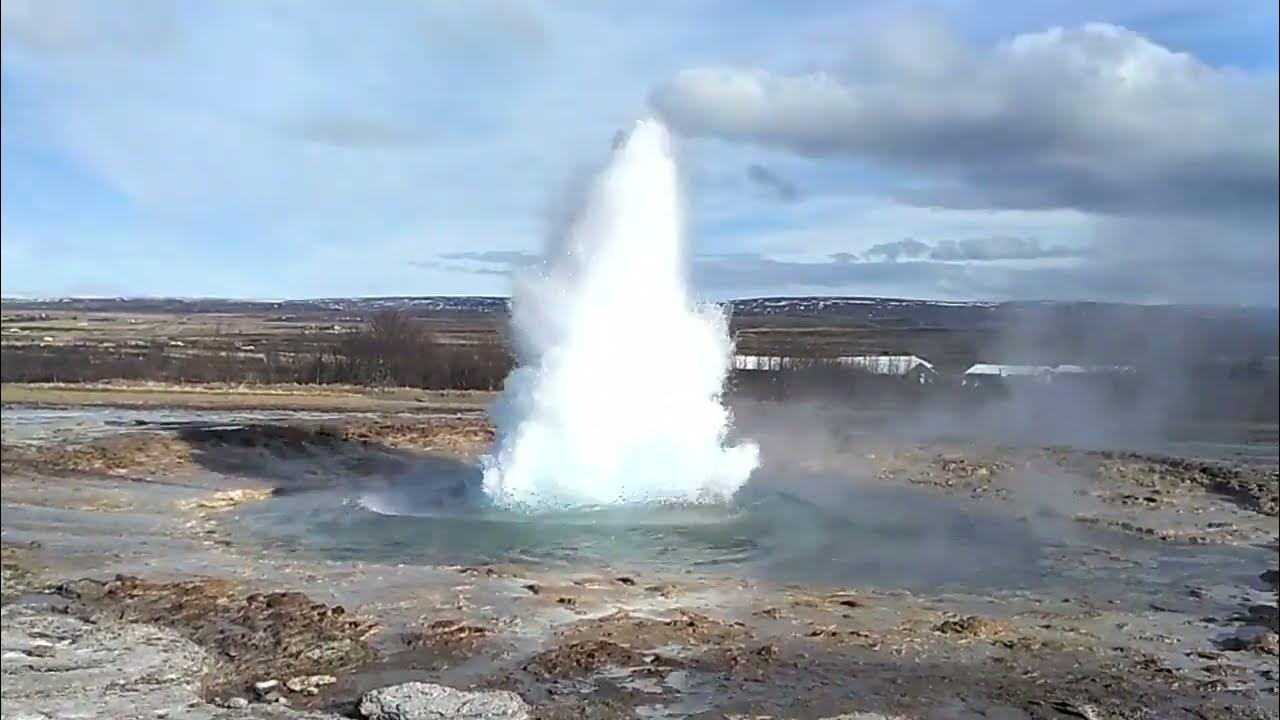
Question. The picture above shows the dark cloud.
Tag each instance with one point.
(999, 248)
(907, 248)
(986, 249)
(782, 188)
(974, 274)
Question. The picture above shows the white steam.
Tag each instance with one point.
(616, 397)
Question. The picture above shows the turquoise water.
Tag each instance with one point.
(809, 530)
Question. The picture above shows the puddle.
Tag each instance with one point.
(35, 424)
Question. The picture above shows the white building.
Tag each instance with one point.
(1042, 373)
(896, 365)
(765, 362)
(982, 370)
(901, 365)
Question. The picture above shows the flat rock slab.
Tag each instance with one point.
(427, 701)
(55, 666)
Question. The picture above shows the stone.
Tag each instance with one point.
(111, 669)
(428, 701)
(309, 684)
(95, 670)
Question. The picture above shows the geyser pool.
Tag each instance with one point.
(617, 394)
(785, 528)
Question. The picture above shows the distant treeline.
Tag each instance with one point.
(393, 349)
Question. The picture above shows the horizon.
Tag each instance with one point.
(744, 298)
(1082, 151)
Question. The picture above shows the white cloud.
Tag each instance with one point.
(1091, 138)
(1097, 118)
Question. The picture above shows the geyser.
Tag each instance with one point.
(616, 397)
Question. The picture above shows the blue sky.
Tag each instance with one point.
(957, 149)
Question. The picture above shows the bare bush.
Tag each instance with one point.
(394, 349)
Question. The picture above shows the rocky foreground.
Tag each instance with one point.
(124, 596)
(56, 666)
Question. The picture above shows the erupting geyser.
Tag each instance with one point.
(617, 394)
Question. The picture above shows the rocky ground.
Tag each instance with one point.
(124, 596)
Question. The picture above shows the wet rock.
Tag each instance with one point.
(449, 638)
(582, 658)
(1272, 578)
(1076, 710)
(112, 670)
(864, 716)
(309, 684)
(262, 687)
(258, 635)
(1250, 488)
(968, 626)
(1267, 616)
(663, 590)
(106, 670)
(1267, 643)
(227, 499)
(40, 650)
(428, 701)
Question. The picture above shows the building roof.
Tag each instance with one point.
(1035, 370)
(1092, 369)
(1007, 370)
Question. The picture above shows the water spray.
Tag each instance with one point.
(616, 397)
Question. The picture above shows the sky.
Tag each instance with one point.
(953, 150)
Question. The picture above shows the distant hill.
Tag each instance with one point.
(1210, 330)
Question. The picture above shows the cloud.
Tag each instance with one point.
(501, 263)
(1170, 163)
(783, 189)
(983, 249)
(509, 258)
(351, 132)
(891, 251)
(1096, 118)
(83, 27)
(1000, 248)
(736, 274)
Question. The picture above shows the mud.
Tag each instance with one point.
(361, 445)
